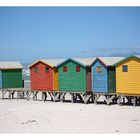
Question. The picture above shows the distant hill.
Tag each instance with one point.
(124, 55)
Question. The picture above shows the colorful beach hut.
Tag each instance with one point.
(103, 74)
(10, 75)
(74, 74)
(44, 75)
(128, 75)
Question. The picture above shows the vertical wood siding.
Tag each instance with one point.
(111, 79)
(88, 79)
(71, 80)
(41, 79)
(0, 79)
(12, 78)
(128, 82)
(55, 79)
(99, 79)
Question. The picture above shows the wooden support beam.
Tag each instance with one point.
(3, 93)
(72, 97)
(62, 96)
(11, 93)
(52, 96)
(35, 95)
(43, 96)
(88, 97)
(56, 95)
(120, 98)
(92, 98)
(17, 95)
(124, 100)
(108, 99)
(27, 93)
(97, 96)
(134, 101)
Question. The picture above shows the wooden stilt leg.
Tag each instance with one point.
(92, 98)
(12, 94)
(9, 96)
(72, 98)
(119, 99)
(134, 101)
(45, 96)
(62, 97)
(42, 96)
(124, 100)
(3, 92)
(96, 98)
(17, 95)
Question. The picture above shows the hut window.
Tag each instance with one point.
(125, 68)
(77, 68)
(47, 69)
(99, 69)
(35, 69)
(64, 68)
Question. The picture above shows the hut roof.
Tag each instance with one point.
(81, 61)
(10, 65)
(50, 62)
(85, 61)
(123, 60)
(108, 61)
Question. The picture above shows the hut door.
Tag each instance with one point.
(88, 78)
(111, 80)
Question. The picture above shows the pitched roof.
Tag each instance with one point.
(85, 61)
(54, 62)
(50, 62)
(10, 65)
(81, 61)
(123, 60)
(109, 61)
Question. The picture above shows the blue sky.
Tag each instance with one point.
(30, 33)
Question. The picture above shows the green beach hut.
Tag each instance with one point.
(74, 74)
(10, 75)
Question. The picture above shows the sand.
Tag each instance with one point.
(21, 116)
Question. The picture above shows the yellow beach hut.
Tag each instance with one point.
(128, 76)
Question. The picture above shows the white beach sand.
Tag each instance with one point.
(21, 116)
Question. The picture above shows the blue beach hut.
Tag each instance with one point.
(103, 74)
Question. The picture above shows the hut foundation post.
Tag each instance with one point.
(110, 99)
(10, 93)
(28, 95)
(3, 93)
(62, 96)
(120, 97)
(96, 98)
(17, 95)
(139, 100)
(134, 101)
(52, 96)
(56, 95)
(88, 97)
(44, 96)
(92, 98)
(124, 100)
(35, 95)
(72, 97)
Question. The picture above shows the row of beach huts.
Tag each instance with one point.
(115, 78)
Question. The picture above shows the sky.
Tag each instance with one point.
(31, 33)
